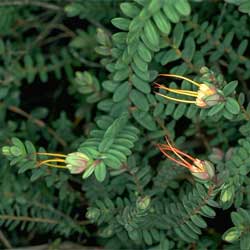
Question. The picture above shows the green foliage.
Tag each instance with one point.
(82, 121)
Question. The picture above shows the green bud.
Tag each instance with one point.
(93, 214)
(204, 70)
(106, 232)
(6, 150)
(77, 162)
(143, 202)
(227, 194)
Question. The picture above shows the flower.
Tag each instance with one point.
(77, 162)
(201, 169)
(206, 96)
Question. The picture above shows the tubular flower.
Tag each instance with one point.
(206, 96)
(201, 169)
(75, 162)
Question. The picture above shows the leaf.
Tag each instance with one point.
(144, 119)
(230, 88)
(139, 100)
(141, 85)
(121, 23)
(100, 171)
(18, 143)
(119, 155)
(179, 111)
(102, 37)
(121, 75)
(245, 238)
(232, 106)
(171, 12)
(112, 161)
(183, 7)
(245, 7)
(2, 47)
(129, 9)
(144, 52)
(151, 33)
(147, 237)
(121, 92)
(189, 49)
(162, 23)
(88, 172)
(216, 109)
(36, 174)
(30, 150)
(111, 132)
(207, 211)
(242, 47)
(197, 220)
(170, 56)
(142, 65)
(178, 34)
(142, 75)
(228, 39)
(237, 219)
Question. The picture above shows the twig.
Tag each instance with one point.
(84, 61)
(26, 218)
(61, 246)
(32, 2)
(222, 14)
(38, 122)
(5, 241)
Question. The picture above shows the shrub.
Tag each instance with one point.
(125, 124)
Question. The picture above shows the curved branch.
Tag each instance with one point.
(32, 3)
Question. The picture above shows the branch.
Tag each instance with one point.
(38, 122)
(5, 242)
(31, 2)
(62, 246)
(26, 218)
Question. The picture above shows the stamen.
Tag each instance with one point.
(50, 160)
(181, 153)
(173, 159)
(51, 154)
(54, 166)
(176, 99)
(183, 78)
(179, 91)
(176, 153)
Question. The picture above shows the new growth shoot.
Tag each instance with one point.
(206, 96)
(201, 169)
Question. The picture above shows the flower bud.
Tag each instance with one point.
(143, 203)
(77, 162)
